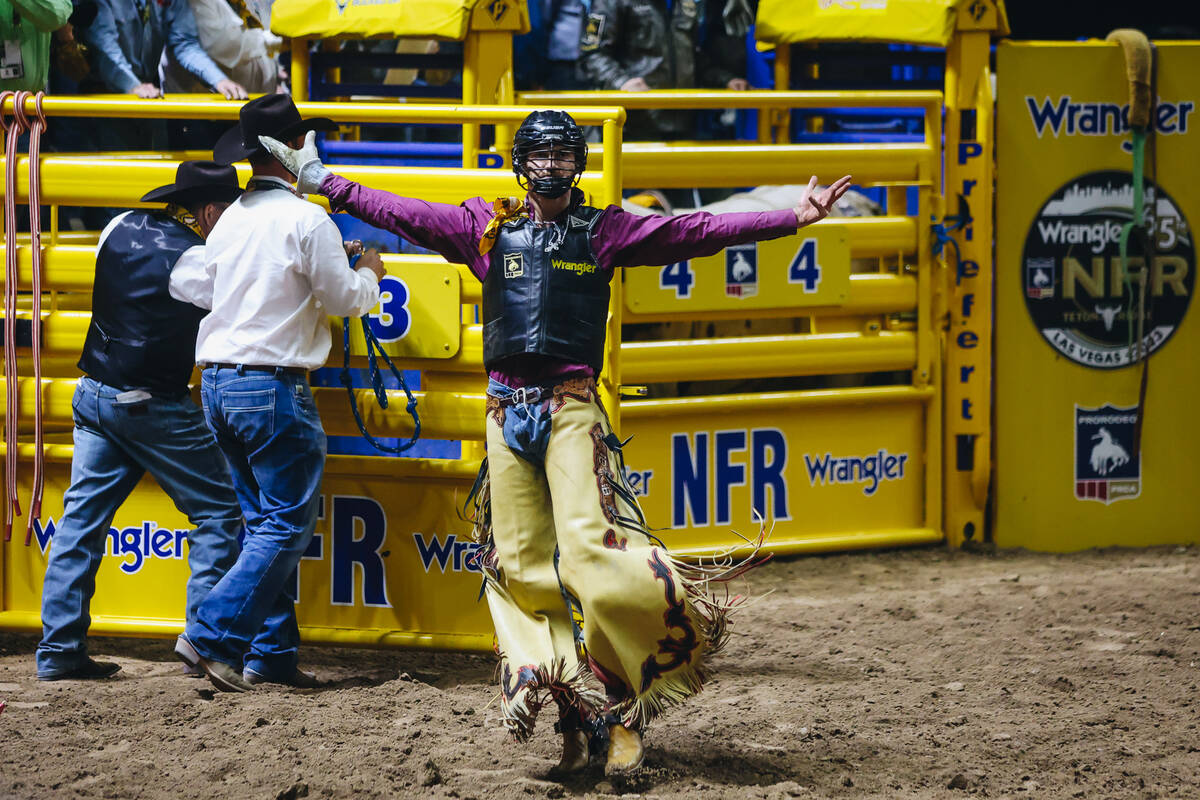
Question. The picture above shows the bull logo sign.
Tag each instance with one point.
(1107, 465)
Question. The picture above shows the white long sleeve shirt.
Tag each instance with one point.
(274, 270)
(246, 54)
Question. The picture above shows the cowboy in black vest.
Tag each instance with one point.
(133, 414)
(562, 537)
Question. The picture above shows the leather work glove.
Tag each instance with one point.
(304, 163)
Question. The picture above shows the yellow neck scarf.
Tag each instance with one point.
(184, 217)
(506, 208)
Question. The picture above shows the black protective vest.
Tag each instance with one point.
(141, 337)
(551, 303)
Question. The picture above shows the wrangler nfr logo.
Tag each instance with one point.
(1083, 299)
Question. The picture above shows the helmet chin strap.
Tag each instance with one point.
(549, 188)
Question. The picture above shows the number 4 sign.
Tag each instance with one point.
(805, 269)
(678, 276)
(810, 269)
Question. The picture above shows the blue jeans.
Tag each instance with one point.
(115, 444)
(527, 422)
(268, 427)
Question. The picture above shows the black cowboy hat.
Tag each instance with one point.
(273, 115)
(198, 180)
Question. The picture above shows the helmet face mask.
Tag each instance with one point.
(549, 153)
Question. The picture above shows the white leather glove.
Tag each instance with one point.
(304, 163)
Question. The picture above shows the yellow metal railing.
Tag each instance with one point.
(871, 330)
(889, 320)
(451, 402)
(771, 105)
(120, 179)
(86, 179)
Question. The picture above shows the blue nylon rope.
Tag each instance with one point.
(942, 231)
(373, 347)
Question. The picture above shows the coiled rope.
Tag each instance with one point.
(13, 129)
(36, 129)
(374, 349)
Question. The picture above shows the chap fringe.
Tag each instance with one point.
(569, 687)
(709, 607)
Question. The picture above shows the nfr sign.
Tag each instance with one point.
(705, 467)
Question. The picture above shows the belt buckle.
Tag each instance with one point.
(526, 395)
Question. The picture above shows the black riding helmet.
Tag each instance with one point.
(543, 129)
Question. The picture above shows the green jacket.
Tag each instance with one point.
(31, 22)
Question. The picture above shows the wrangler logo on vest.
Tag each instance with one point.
(578, 267)
(514, 265)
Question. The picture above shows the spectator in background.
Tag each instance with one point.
(241, 47)
(637, 45)
(25, 26)
(547, 56)
(127, 39)
(68, 55)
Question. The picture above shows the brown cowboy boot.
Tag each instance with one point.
(625, 750)
(574, 753)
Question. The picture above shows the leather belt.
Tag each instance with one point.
(581, 388)
(525, 394)
(256, 368)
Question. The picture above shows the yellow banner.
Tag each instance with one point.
(437, 19)
(812, 471)
(390, 563)
(1070, 470)
(930, 22)
(811, 268)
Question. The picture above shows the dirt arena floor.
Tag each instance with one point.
(909, 674)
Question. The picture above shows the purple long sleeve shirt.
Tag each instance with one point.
(619, 239)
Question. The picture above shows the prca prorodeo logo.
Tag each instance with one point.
(1107, 465)
(1071, 276)
(741, 270)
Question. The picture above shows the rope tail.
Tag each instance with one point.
(1140, 63)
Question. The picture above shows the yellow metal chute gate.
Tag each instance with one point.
(485, 27)
(389, 564)
(829, 468)
(927, 436)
